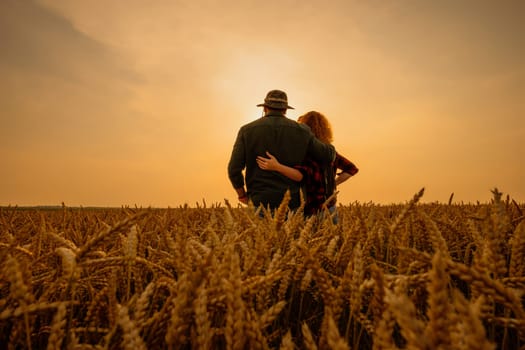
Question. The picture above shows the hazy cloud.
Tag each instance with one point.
(111, 102)
(59, 85)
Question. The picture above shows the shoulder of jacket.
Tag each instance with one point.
(253, 123)
(304, 127)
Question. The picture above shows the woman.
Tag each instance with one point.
(319, 181)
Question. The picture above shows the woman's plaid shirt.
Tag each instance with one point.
(315, 184)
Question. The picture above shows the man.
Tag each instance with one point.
(287, 140)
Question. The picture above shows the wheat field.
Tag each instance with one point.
(406, 276)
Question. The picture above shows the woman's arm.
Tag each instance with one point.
(342, 177)
(271, 163)
(348, 169)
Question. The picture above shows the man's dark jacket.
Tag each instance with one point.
(290, 142)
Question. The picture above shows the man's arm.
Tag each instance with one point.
(321, 152)
(235, 167)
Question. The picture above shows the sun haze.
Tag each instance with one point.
(109, 103)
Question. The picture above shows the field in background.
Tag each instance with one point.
(414, 276)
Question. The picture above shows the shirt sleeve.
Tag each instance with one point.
(321, 152)
(345, 165)
(305, 170)
(237, 162)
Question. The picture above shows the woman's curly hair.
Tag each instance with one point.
(319, 125)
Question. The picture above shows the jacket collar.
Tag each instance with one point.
(274, 114)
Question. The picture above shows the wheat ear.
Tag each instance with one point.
(57, 328)
(438, 327)
(131, 339)
(286, 342)
(308, 339)
(280, 213)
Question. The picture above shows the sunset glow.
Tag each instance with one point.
(110, 103)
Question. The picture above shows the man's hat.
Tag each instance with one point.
(276, 99)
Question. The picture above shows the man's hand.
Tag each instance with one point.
(242, 195)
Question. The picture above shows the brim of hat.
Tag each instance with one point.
(265, 105)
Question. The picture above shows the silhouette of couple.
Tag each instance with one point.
(279, 154)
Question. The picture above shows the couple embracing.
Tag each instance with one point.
(279, 154)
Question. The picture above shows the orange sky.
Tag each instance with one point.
(111, 103)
